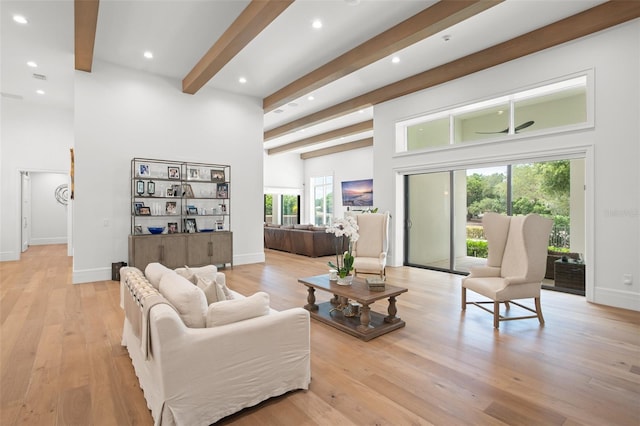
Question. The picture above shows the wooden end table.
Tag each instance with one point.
(369, 324)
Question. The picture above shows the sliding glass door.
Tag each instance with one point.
(444, 210)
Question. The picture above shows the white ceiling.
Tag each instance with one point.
(180, 32)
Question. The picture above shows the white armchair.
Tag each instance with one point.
(370, 251)
(515, 265)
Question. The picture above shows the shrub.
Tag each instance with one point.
(477, 248)
(475, 232)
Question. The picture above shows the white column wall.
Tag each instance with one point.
(611, 148)
(121, 114)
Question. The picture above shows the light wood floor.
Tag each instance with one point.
(62, 363)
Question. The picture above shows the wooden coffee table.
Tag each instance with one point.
(368, 324)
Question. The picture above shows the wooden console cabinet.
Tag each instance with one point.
(178, 250)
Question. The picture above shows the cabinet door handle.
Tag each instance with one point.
(210, 248)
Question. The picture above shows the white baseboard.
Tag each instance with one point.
(617, 298)
(9, 256)
(246, 259)
(91, 275)
(47, 241)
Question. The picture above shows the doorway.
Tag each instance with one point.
(45, 215)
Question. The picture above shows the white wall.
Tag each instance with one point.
(611, 147)
(48, 217)
(121, 114)
(350, 165)
(33, 138)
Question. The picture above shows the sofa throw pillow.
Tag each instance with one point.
(229, 311)
(209, 272)
(212, 290)
(189, 300)
(154, 272)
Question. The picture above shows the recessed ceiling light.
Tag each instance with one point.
(32, 64)
(242, 80)
(20, 19)
(40, 92)
(317, 24)
(292, 104)
(361, 111)
(278, 111)
(310, 98)
(395, 59)
(446, 37)
(148, 54)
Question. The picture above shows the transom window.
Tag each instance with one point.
(548, 107)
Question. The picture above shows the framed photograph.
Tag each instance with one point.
(192, 210)
(223, 208)
(144, 170)
(137, 230)
(151, 187)
(170, 192)
(171, 208)
(219, 225)
(144, 211)
(222, 190)
(190, 226)
(172, 228)
(136, 207)
(173, 172)
(187, 191)
(217, 175)
(194, 174)
(140, 187)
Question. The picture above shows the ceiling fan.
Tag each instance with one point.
(518, 128)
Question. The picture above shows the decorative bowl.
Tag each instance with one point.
(156, 229)
(206, 230)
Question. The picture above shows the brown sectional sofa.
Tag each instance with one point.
(308, 240)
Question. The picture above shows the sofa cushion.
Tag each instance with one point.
(212, 290)
(186, 298)
(229, 311)
(154, 272)
(306, 227)
(192, 274)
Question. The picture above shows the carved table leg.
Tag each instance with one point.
(311, 299)
(391, 318)
(335, 300)
(364, 318)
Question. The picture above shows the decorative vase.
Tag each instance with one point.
(345, 280)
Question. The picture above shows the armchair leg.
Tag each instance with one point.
(496, 315)
(539, 310)
(464, 298)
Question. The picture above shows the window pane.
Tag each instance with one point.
(553, 110)
(290, 209)
(485, 123)
(428, 134)
(268, 208)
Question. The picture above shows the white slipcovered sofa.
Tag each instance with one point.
(198, 362)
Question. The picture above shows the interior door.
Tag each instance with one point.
(25, 229)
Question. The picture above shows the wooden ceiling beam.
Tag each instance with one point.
(432, 20)
(251, 22)
(85, 19)
(364, 126)
(582, 24)
(362, 143)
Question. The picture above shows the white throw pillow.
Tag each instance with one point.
(209, 272)
(229, 311)
(189, 300)
(154, 272)
(212, 290)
